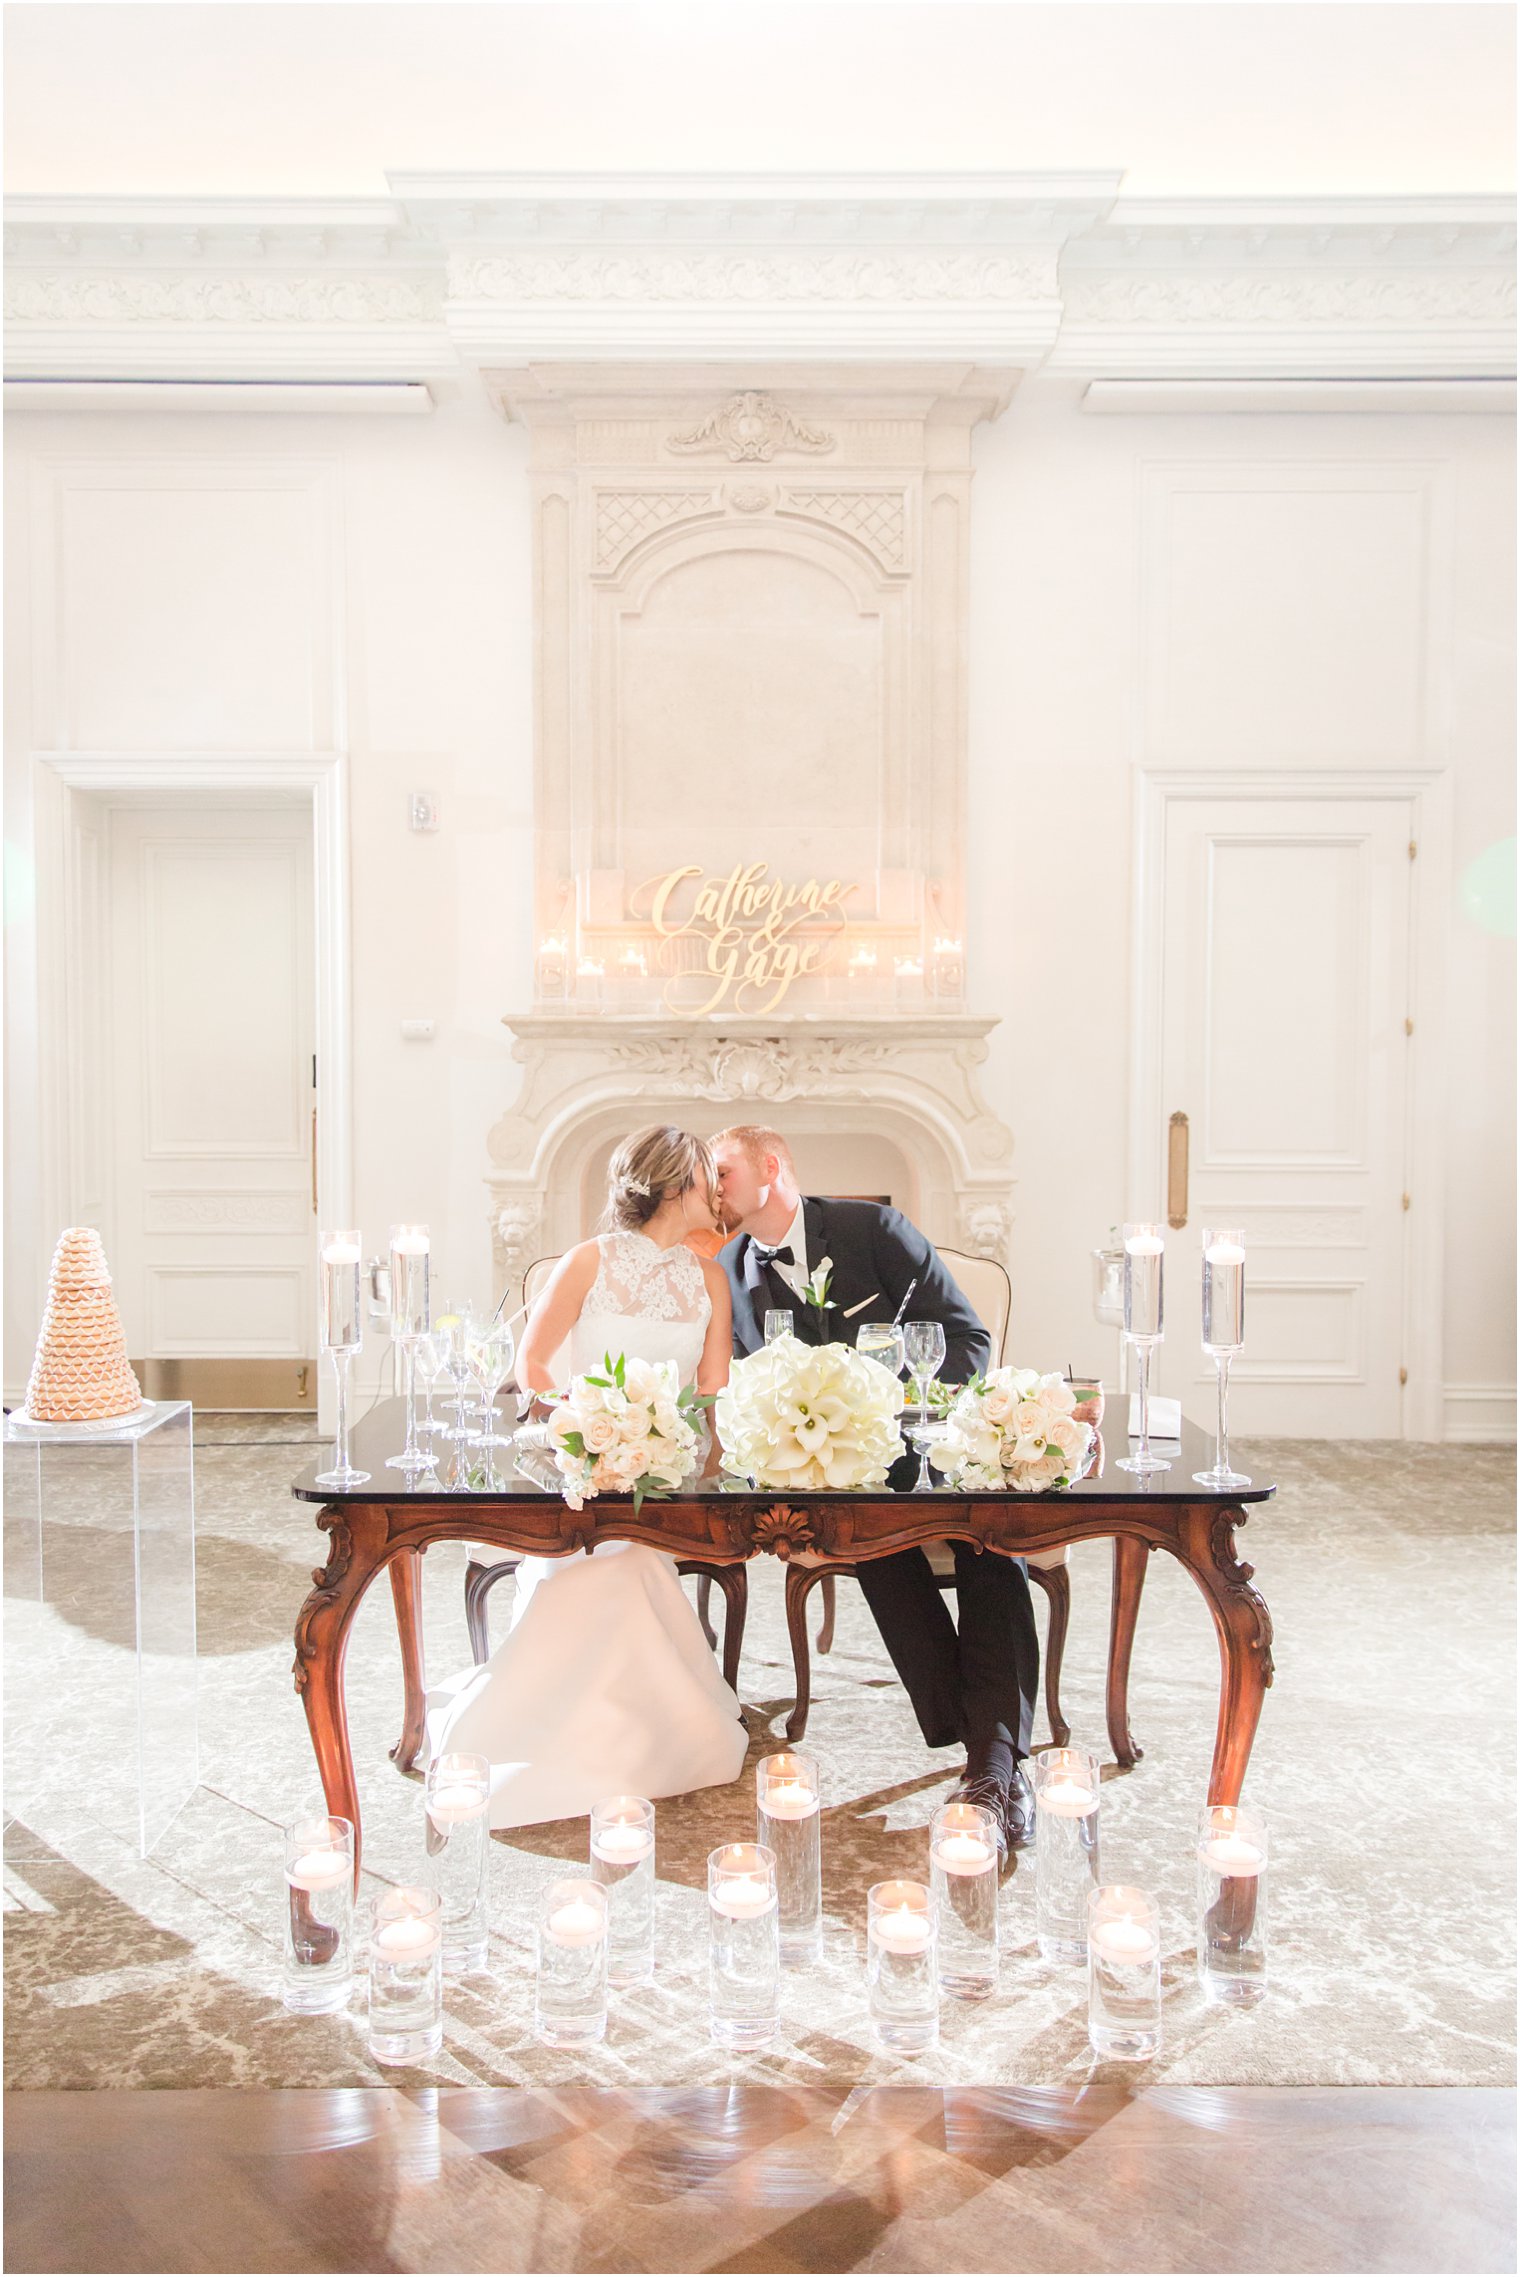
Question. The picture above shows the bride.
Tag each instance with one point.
(605, 1685)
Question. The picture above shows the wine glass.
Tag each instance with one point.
(882, 1341)
(431, 1363)
(490, 1347)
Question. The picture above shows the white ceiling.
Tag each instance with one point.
(1207, 97)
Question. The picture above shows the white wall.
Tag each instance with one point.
(419, 631)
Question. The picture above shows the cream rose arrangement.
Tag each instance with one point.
(628, 1430)
(1013, 1428)
(801, 1415)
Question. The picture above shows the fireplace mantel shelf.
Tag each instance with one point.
(750, 1027)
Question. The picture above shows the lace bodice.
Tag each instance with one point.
(647, 1302)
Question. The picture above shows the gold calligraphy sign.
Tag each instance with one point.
(751, 928)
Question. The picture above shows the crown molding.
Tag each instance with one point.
(455, 272)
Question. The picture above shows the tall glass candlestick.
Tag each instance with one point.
(339, 1256)
(1144, 1252)
(1232, 1904)
(788, 1813)
(410, 1250)
(1224, 1332)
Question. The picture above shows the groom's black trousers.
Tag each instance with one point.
(973, 1681)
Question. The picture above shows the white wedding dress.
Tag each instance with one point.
(604, 1684)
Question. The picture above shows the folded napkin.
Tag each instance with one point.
(1165, 1417)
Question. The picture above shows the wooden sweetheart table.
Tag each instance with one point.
(386, 1524)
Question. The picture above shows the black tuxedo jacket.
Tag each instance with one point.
(876, 1252)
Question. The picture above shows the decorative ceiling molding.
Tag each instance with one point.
(453, 272)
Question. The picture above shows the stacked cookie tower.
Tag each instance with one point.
(81, 1373)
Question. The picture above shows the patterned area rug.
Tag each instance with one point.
(1389, 1572)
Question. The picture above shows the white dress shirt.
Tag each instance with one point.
(795, 1275)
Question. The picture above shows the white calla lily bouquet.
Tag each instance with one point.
(801, 1415)
(629, 1429)
(1013, 1428)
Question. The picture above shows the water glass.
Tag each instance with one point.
(744, 1945)
(1123, 1974)
(570, 2007)
(319, 1915)
(406, 1977)
(777, 1323)
(457, 1807)
(1232, 1904)
(963, 1880)
(622, 1866)
(1065, 1849)
(882, 1340)
(788, 1821)
(900, 1967)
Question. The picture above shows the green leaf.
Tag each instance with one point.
(573, 1443)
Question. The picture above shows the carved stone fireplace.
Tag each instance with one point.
(750, 602)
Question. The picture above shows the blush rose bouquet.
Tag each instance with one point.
(1013, 1428)
(629, 1429)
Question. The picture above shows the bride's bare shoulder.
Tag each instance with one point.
(577, 1268)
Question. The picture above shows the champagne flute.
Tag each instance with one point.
(924, 1344)
(432, 1362)
(490, 1347)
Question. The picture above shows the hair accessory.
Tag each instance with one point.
(637, 1186)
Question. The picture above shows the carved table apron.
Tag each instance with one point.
(385, 1524)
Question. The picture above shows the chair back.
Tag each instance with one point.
(534, 1281)
(985, 1285)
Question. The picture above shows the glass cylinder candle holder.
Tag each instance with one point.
(1123, 1974)
(1065, 1849)
(963, 1879)
(622, 1866)
(744, 1945)
(1232, 1904)
(457, 1806)
(1144, 1259)
(1224, 1332)
(406, 1977)
(570, 2003)
(339, 1261)
(788, 1821)
(410, 1251)
(319, 1915)
(901, 1970)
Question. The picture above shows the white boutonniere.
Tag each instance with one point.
(816, 1291)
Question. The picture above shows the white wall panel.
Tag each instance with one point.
(190, 1308)
(1289, 615)
(191, 609)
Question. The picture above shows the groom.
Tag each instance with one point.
(975, 1686)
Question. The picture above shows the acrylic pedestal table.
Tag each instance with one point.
(100, 1619)
(386, 1525)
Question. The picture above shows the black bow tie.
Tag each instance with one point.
(775, 1256)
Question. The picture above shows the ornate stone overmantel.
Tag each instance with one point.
(587, 1082)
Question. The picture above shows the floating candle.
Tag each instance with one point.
(341, 1253)
(318, 1870)
(904, 1930)
(960, 1853)
(1064, 1798)
(407, 1939)
(743, 1897)
(1126, 1943)
(622, 1842)
(1232, 1855)
(580, 1922)
(788, 1798)
(455, 1806)
(1144, 1245)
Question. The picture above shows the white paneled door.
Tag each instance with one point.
(211, 1008)
(1284, 1003)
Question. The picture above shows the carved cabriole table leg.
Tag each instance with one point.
(1129, 1579)
(356, 1551)
(800, 1581)
(1206, 1533)
(406, 1589)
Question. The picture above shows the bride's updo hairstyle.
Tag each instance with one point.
(654, 1166)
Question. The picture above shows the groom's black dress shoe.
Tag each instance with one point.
(1011, 1805)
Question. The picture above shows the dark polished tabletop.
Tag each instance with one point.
(381, 1433)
